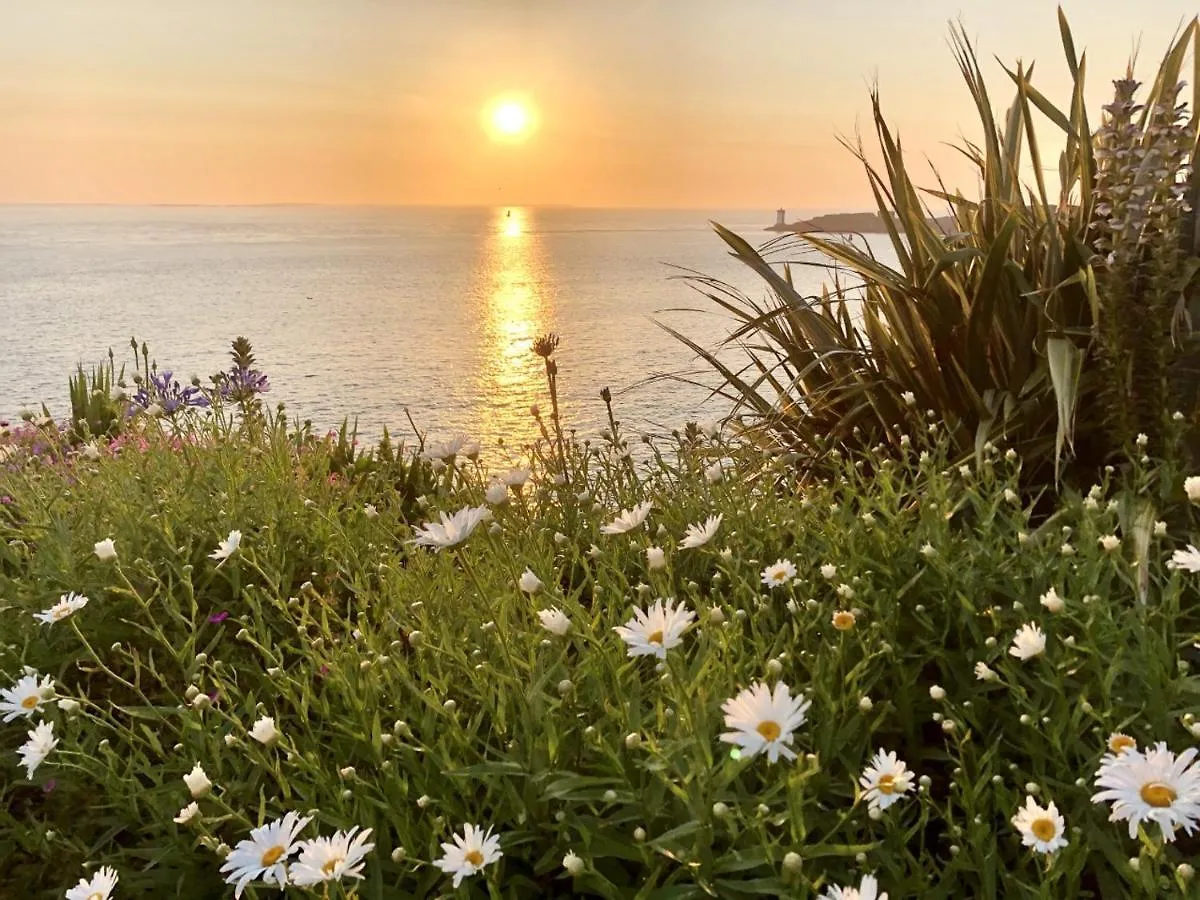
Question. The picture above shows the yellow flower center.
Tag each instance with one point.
(272, 856)
(769, 730)
(60, 612)
(330, 867)
(1043, 829)
(656, 637)
(474, 857)
(1119, 743)
(96, 895)
(30, 702)
(843, 621)
(887, 784)
(1157, 794)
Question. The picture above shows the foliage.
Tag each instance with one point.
(416, 691)
(992, 321)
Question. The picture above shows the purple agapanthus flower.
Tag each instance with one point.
(218, 618)
(163, 389)
(242, 384)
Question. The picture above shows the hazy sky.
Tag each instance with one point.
(678, 103)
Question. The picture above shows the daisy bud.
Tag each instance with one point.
(774, 667)
(763, 809)
(197, 782)
(955, 849)
(874, 813)
(727, 554)
(346, 773)
(1135, 863)
(655, 559)
(633, 740)
(865, 704)
(610, 795)
(230, 740)
(792, 863)
(560, 538)
(398, 855)
(1024, 720)
(565, 687)
(68, 705)
(201, 658)
(948, 726)
(415, 638)
(573, 864)
(450, 706)
(223, 850)
(116, 647)
(401, 729)
(347, 794)
(201, 702)
(720, 810)
(937, 692)
(739, 614)
(925, 781)
(423, 801)
(386, 739)
(1185, 872)
(716, 615)
(590, 731)
(639, 834)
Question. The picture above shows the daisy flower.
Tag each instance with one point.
(26, 696)
(227, 547)
(1052, 601)
(1041, 828)
(868, 889)
(1119, 742)
(34, 751)
(105, 550)
(844, 619)
(332, 858)
(699, 535)
(628, 519)
(885, 780)
(188, 813)
(66, 605)
(984, 672)
(1030, 641)
(555, 620)
(529, 583)
(763, 720)
(516, 478)
(469, 853)
(450, 530)
(655, 631)
(264, 854)
(779, 574)
(1188, 559)
(1155, 786)
(265, 732)
(99, 887)
(496, 493)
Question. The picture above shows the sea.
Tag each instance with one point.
(384, 315)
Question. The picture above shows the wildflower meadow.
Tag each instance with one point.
(241, 658)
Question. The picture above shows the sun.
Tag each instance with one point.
(510, 119)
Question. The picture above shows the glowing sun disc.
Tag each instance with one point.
(510, 119)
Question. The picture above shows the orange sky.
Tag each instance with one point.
(654, 103)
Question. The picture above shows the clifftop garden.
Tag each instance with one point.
(917, 619)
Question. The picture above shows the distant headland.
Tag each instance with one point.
(842, 223)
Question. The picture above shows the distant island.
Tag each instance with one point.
(843, 223)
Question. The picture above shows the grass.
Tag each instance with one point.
(417, 691)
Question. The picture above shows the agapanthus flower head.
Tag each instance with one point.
(161, 390)
(243, 384)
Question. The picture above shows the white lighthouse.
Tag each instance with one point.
(780, 218)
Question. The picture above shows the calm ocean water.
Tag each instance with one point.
(368, 311)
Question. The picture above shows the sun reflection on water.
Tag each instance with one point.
(517, 306)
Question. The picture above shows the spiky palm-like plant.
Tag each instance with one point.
(988, 322)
